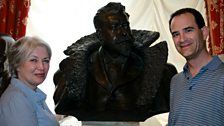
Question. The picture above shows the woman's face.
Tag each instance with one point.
(34, 69)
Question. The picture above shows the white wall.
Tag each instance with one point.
(62, 22)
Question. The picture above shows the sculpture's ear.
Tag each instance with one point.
(99, 34)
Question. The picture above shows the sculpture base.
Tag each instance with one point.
(157, 120)
(108, 123)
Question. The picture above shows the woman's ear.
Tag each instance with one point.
(18, 69)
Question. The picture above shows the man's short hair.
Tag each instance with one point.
(197, 16)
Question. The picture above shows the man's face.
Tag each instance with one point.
(189, 40)
(116, 34)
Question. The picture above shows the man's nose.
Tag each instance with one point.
(182, 37)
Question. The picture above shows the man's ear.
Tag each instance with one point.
(205, 32)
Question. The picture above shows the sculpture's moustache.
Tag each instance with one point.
(127, 39)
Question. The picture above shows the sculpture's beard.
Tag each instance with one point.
(124, 45)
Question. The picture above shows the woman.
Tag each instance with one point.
(23, 103)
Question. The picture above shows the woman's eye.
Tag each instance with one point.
(46, 61)
(33, 60)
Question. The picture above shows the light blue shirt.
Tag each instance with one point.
(22, 106)
(198, 100)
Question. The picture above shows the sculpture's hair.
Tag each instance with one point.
(22, 49)
(197, 16)
(111, 8)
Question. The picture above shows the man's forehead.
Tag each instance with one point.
(183, 21)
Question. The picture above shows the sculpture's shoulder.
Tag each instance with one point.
(144, 37)
(143, 46)
(70, 79)
(85, 44)
(74, 66)
(154, 56)
(91, 42)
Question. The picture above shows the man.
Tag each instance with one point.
(113, 74)
(5, 42)
(197, 93)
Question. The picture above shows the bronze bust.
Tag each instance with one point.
(114, 74)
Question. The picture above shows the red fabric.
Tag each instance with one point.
(215, 14)
(13, 17)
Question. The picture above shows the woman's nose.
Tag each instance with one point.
(40, 65)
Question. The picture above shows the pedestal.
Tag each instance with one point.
(110, 123)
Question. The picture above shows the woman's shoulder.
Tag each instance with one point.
(12, 95)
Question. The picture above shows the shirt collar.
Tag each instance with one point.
(36, 96)
(212, 65)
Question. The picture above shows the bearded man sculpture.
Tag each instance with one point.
(113, 74)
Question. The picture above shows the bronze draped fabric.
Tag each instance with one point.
(13, 17)
(215, 17)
